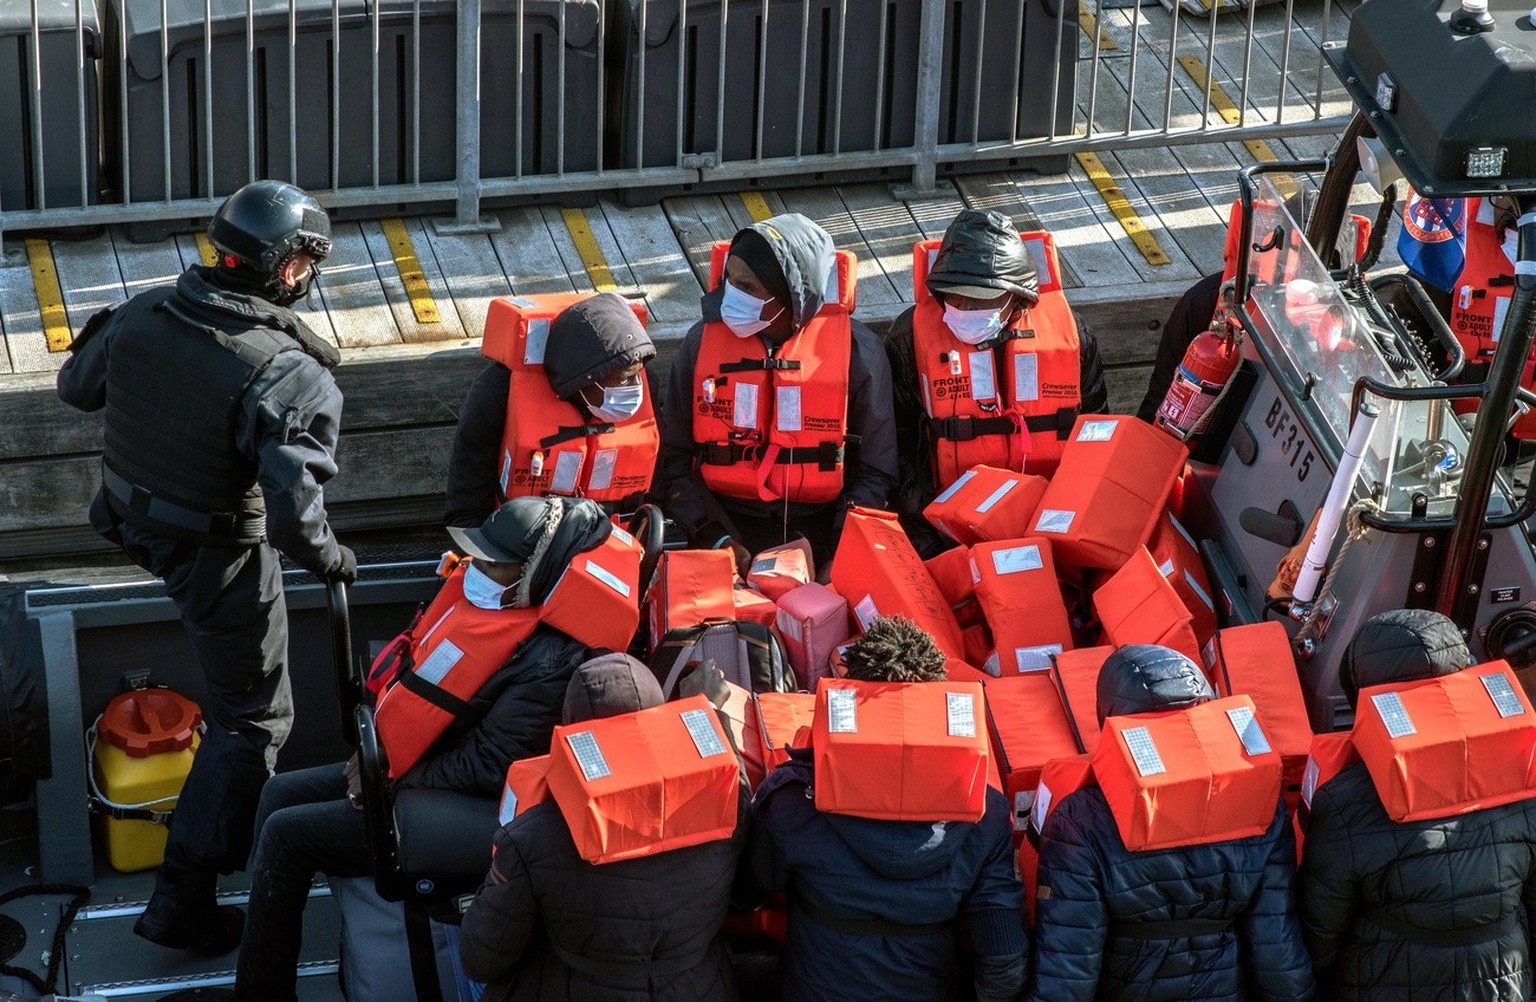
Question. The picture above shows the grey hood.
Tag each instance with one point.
(982, 253)
(1144, 678)
(805, 253)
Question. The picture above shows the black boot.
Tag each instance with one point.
(208, 929)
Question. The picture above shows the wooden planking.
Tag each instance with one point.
(145, 266)
(398, 300)
(527, 253)
(603, 243)
(697, 221)
(826, 208)
(88, 277)
(473, 274)
(1083, 234)
(888, 230)
(999, 193)
(352, 294)
(658, 264)
(933, 215)
(21, 326)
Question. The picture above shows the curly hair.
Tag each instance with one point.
(894, 649)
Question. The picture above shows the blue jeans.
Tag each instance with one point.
(304, 827)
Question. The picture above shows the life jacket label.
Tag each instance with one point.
(702, 730)
(440, 662)
(608, 578)
(996, 496)
(567, 472)
(589, 757)
(865, 611)
(1030, 659)
(506, 470)
(1144, 753)
(1041, 807)
(1248, 730)
(1054, 520)
(508, 808)
(744, 410)
(1017, 559)
(1309, 781)
(790, 627)
(537, 339)
(787, 408)
(1194, 585)
(1097, 431)
(1394, 715)
(983, 378)
(1503, 695)
(962, 714)
(1026, 377)
(604, 461)
(842, 712)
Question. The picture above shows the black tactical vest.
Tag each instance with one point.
(174, 390)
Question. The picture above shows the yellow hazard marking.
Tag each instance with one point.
(1121, 207)
(586, 248)
(206, 250)
(409, 266)
(50, 299)
(1092, 30)
(757, 205)
(1229, 112)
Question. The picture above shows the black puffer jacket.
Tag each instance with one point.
(975, 253)
(1437, 876)
(1093, 891)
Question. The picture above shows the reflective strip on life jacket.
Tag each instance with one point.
(1016, 586)
(1008, 405)
(986, 503)
(1445, 746)
(526, 787)
(876, 569)
(1189, 777)
(1256, 661)
(901, 751)
(596, 599)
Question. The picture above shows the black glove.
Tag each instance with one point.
(346, 570)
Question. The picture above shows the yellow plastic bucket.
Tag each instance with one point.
(144, 748)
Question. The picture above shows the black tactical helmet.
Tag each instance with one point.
(266, 223)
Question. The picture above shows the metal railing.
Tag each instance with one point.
(141, 111)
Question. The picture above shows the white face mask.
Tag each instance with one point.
(973, 326)
(482, 592)
(743, 312)
(620, 403)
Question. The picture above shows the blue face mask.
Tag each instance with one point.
(620, 403)
(482, 592)
(743, 312)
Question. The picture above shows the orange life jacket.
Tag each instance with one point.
(1451, 745)
(645, 782)
(1179, 561)
(1106, 497)
(771, 424)
(549, 445)
(876, 569)
(1256, 661)
(1016, 585)
(690, 587)
(526, 786)
(1076, 674)
(1137, 605)
(781, 716)
(1029, 728)
(456, 647)
(1008, 405)
(985, 503)
(1188, 777)
(901, 751)
(1486, 284)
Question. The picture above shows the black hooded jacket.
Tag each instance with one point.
(547, 925)
(805, 254)
(1417, 911)
(973, 254)
(1093, 892)
(585, 345)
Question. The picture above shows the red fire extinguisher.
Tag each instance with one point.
(1202, 375)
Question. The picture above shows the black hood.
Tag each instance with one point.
(1403, 645)
(608, 685)
(806, 257)
(982, 256)
(593, 339)
(1144, 678)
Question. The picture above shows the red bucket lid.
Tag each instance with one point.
(149, 721)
